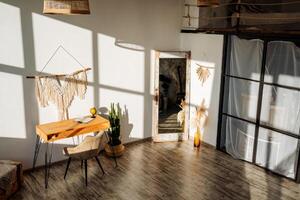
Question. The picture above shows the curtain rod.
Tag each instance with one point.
(59, 75)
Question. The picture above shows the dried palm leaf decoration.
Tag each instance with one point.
(66, 7)
(203, 73)
(201, 115)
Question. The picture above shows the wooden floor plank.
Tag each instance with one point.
(162, 171)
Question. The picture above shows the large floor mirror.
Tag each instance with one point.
(171, 95)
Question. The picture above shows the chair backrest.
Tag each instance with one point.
(98, 141)
(90, 147)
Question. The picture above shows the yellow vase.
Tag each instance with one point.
(197, 138)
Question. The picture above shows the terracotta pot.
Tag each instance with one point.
(116, 150)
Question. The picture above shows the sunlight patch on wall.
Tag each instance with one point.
(133, 127)
(12, 120)
(121, 67)
(11, 42)
(200, 91)
(50, 33)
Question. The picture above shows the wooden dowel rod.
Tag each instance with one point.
(58, 75)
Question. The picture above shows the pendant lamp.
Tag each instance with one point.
(66, 7)
(208, 3)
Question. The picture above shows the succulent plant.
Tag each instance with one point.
(114, 117)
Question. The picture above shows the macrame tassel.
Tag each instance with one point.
(39, 89)
(50, 89)
(81, 85)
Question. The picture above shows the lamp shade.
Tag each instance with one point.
(66, 7)
(208, 3)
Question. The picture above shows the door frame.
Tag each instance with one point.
(167, 137)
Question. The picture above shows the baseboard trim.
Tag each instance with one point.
(147, 139)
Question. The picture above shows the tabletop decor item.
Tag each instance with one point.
(93, 112)
(114, 147)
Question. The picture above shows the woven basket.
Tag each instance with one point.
(208, 3)
(116, 151)
(66, 7)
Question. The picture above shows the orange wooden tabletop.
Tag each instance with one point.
(69, 128)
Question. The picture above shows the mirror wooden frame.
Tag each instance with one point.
(167, 137)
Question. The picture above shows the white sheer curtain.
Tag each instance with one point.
(280, 106)
(242, 96)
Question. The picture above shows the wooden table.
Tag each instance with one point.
(50, 132)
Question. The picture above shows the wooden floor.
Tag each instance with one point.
(162, 171)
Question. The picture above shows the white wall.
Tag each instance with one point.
(206, 51)
(28, 38)
(124, 75)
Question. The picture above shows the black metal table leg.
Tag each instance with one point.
(47, 164)
(112, 149)
(85, 169)
(36, 151)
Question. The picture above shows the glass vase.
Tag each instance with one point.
(197, 138)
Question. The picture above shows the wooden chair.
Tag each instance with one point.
(89, 148)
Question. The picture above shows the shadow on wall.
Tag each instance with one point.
(106, 20)
(126, 126)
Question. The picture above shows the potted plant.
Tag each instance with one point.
(114, 147)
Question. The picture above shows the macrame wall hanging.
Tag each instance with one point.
(60, 89)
